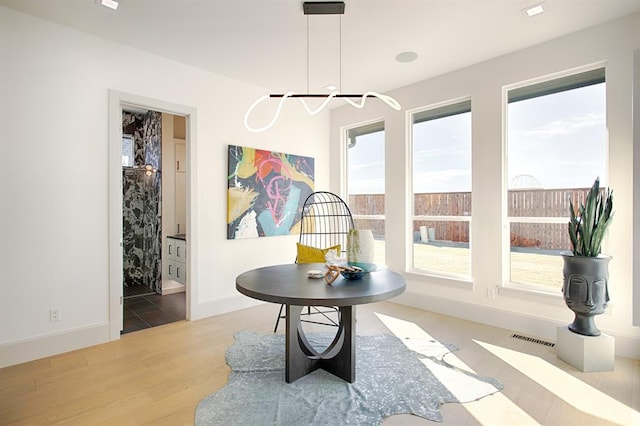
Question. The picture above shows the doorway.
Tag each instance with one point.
(153, 218)
(146, 185)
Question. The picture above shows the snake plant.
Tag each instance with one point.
(587, 228)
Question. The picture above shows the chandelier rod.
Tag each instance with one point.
(314, 95)
(339, 57)
(307, 53)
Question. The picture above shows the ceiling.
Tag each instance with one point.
(264, 42)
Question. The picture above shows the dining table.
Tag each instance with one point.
(292, 286)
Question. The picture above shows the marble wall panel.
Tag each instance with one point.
(142, 203)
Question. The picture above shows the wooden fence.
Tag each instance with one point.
(521, 203)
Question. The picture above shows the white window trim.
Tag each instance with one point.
(368, 216)
(344, 154)
(449, 281)
(455, 280)
(442, 218)
(508, 287)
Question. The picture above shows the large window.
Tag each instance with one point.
(556, 148)
(441, 179)
(365, 182)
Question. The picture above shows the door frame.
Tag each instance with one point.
(117, 102)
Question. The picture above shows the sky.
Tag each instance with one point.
(553, 141)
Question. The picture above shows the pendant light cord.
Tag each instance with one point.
(340, 57)
(339, 54)
(307, 53)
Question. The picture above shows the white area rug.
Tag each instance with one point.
(390, 379)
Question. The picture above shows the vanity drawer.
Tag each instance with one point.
(177, 249)
(177, 271)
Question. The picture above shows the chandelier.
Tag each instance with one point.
(355, 100)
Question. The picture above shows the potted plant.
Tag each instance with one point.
(585, 271)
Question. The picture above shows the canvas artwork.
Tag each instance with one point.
(266, 191)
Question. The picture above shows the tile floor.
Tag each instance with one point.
(147, 311)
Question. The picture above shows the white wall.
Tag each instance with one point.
(54, 244)
(54, 183)
(612, 45)
(636, 188)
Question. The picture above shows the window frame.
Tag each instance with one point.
(530, 89)
(352, 132)
(415, 116)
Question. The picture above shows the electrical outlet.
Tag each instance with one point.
(491, 293)
(55, 314)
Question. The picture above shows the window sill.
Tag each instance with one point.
(451, 282)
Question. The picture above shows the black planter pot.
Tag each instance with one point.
(585, 290)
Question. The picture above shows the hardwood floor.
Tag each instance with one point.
(157, 376)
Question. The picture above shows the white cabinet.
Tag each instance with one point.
(174, 204)
(180, 182)
(180, 211)
(181, 155)
(177, 260)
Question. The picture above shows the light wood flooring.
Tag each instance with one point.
(157, 376)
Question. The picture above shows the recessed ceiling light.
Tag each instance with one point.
(534, 10)
(406, 57)
(111, 4)
(331, 87)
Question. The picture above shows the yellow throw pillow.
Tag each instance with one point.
(308, 254)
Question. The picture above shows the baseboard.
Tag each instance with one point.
(223, 305)
(171, 287)
(30, 349)
(627, 346)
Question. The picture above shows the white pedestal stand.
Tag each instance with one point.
(586, 353)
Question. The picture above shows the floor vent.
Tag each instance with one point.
(532, 340)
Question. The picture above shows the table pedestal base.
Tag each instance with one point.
(338, 359)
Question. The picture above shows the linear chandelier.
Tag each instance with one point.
(355, 100)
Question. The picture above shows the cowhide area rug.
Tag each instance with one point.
(390, 379)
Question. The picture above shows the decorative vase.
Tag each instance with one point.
(585, 290)
(360, 246)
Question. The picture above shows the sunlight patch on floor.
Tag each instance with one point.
(493, 409)
(570, 389)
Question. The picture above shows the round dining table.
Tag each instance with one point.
(290, 284)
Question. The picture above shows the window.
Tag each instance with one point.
(366, 183)
(441, 179)
(127, 150)
(556, 148)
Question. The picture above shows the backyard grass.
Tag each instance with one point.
(526, 268)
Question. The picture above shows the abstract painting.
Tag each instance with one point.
(266, 191)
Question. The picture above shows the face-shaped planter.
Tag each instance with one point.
(585, 290)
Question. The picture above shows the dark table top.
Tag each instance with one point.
(289, 284)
